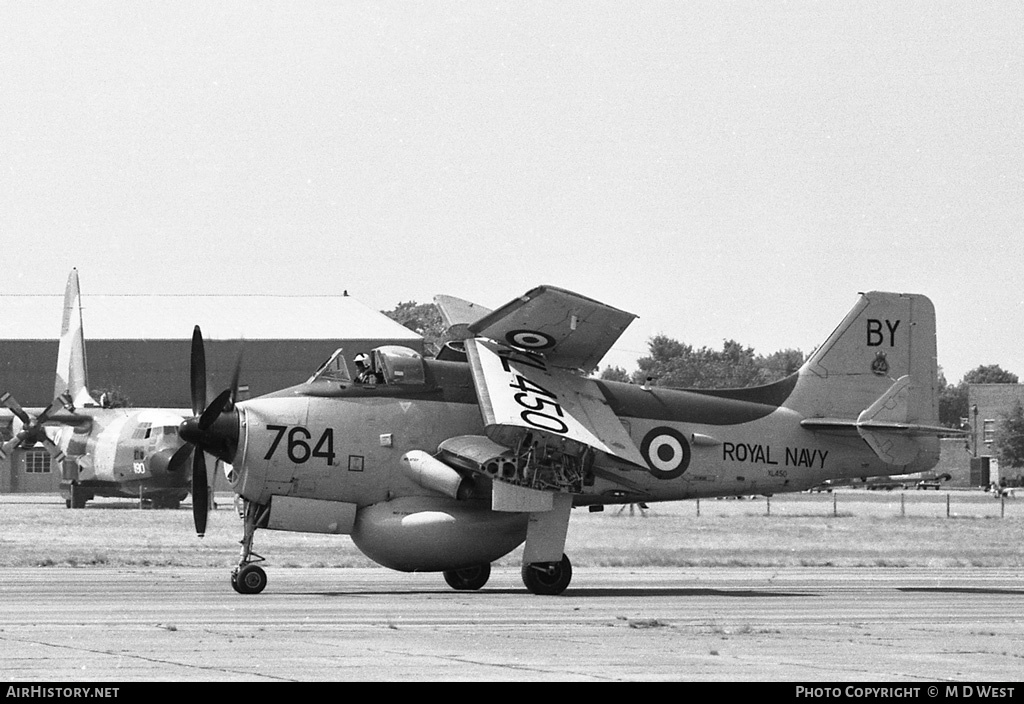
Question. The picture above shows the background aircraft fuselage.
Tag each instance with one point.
(129, 452)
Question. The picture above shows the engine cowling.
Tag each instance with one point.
(432, 534)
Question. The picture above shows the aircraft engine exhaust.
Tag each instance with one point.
(436, 475)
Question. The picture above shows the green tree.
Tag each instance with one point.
(674, 364)
(614, 374)
(1008, 442)
(781, 364)
(990, 374)
(423, 319)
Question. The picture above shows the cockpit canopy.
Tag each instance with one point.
(399, 365)
(393, 365)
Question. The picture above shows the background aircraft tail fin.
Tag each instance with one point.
(71, 365)
(887, 336)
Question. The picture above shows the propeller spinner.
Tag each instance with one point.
(213, 429)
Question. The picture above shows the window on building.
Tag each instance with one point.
(989, 430)
(37, 462)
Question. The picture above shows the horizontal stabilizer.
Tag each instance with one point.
(891, 407)
(885, 425)
(891, 448)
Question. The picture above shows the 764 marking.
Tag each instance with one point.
(298, 447)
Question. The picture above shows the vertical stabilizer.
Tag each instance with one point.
(71, 366)
(886, 337)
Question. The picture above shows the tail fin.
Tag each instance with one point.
(887, 336)
(71, 366)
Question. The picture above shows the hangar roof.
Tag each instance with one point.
(172, 317)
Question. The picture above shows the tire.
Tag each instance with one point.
(468, 578)
(548, 578)
(78, 497)
(250, 579)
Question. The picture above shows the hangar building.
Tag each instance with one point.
(138, 350)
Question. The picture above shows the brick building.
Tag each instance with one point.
(987, 406)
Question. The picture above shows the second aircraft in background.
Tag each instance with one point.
(123, 452)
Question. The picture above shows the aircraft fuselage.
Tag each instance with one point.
(346, 444)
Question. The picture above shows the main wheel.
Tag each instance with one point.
(249, 579)
(468, 578)
(548, 577)
(78, 497)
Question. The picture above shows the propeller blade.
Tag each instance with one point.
(55, 405)
(8, 447)
(54, 450)
(214, 410)
(179, 458)
(234, 382)
(200, 492)
(198, 372)
(16, 408)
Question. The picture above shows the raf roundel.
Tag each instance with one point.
(667, 452)
(529, 340)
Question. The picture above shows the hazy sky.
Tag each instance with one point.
(725, 170)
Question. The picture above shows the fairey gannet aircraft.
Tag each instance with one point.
(448, 464)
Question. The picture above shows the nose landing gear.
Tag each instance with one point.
(248, 577)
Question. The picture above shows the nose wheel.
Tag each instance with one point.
(248, 577)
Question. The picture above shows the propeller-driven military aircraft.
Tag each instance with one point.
(125, 452)
(447, 464)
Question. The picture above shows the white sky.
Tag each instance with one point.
(722, 169)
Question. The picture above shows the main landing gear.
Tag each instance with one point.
(248, 577)
(539, 577)
(469, 578)
(548, 577)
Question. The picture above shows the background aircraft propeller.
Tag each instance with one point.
(212, 429)
(32, 430)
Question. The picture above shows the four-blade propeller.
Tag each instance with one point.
(32, 428)
(213, 428)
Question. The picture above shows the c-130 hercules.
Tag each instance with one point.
(101, 451)
(450, 463)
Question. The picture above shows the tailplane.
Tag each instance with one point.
(71, 367)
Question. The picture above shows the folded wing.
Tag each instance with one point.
(570, 330)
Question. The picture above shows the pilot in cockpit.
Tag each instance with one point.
(364, 370)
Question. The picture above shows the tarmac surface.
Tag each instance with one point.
(805, 625)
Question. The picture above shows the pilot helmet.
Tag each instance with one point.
(362, 359)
